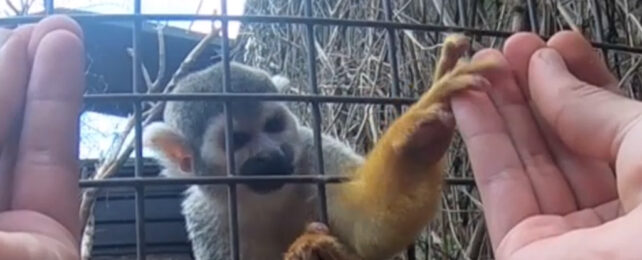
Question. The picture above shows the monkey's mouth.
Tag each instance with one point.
(265, 168)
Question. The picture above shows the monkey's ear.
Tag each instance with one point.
(171, 147)
(282, 83)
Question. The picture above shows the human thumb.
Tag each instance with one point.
(590, 120)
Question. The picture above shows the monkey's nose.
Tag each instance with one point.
(266, 164)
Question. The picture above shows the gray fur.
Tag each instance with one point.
(268, 223)
(192, 117)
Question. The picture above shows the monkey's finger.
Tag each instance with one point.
(518, 50)
(551, 188)
(591, 180)
(14, 72)
(448, 85)
(505, 188)
(455, 45)
(46, 173)
(477, 66)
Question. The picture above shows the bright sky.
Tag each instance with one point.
(98, 130)
(235, 7)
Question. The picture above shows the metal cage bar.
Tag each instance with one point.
(599, 30)
(221, 97)
(392, 51)
(160, 181)
(137, 96)
(49, 6)
(138, 132)
(305, 20)
(394, 64)
(316, 113)
(229, 141)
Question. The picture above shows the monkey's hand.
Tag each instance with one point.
(316, 243)
(431, 113)
(396, 192)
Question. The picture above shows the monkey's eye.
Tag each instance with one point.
(274, 125)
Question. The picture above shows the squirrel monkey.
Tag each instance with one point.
(393, 193)
(396, 191)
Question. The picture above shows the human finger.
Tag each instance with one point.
(49, 24)
(4, 35)
(14, 71)
(504, 187)
(31, 235)
(582, 59)
(553, 194)
(518, 50)
(629, 166)
(578, 111)
(48, 149)
(591, 181)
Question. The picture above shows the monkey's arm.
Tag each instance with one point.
(396, 192)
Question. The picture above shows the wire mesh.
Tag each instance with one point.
(310, 21)
(316, 112)
(229, 141)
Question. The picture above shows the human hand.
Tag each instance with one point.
(41, 87)
(555, 153)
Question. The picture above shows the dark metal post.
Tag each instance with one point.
(392, 53)
(229, 141)
(49, 6)
(138, 128)
(316, 113)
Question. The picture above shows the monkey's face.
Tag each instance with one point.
(265, 144)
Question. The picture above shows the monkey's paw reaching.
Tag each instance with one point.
(316, 243)
(430, 121)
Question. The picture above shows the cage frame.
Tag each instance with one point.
(137, 96)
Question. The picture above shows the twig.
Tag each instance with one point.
(13, 8)
(477, 239)
(161, 60)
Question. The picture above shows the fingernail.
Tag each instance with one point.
(552, 59)
(446, 117)
(317, 227)
(481, 83)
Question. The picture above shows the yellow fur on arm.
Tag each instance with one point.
(396, 192)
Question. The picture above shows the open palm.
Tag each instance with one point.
(41, 86)
(555, 152)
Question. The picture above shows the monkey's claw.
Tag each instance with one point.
(454, 47)
(431, 115)
(317, 244)
(463, 76)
